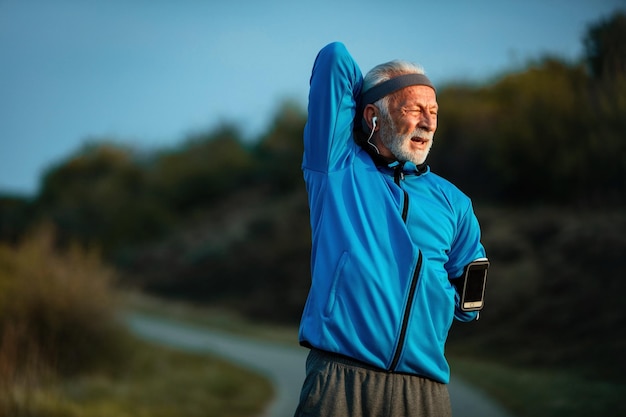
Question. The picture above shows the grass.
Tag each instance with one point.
(542, 393)
(214, 318)
(64, 354)
(158, 382)
(524, 392)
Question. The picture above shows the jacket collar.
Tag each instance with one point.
(407, 168)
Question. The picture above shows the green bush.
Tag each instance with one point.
(56, 316)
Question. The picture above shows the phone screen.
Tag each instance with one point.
(475, 286)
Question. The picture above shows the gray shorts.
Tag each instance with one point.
(338, 386)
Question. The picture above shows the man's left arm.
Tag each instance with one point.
(466, 248)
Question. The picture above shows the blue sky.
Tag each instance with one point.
(150, 72)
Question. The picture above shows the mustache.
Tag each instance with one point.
(423, 134)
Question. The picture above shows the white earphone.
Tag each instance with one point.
(372, 134)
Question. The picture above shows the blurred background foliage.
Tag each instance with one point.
(223, 221)
(57, 319)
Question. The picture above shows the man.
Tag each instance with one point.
(388, 236)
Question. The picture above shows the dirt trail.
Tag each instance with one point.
(282, 365)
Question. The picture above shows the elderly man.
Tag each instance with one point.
(389, 238)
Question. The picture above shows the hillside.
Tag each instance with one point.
(250, 252)
(554, 288)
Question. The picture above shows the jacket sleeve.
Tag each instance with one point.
(334, 89)
(465, 249)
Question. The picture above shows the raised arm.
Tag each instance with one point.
(335, 85)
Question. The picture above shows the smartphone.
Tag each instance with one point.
(474, 281)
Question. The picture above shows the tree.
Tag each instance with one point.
(280, 150)
(206, 168)
(98, 196)
(605, 47)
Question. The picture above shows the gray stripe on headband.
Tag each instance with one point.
(392, 85)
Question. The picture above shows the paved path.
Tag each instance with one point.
(282, 365)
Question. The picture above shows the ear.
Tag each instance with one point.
(369, 112)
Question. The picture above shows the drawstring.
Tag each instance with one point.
(398, 175)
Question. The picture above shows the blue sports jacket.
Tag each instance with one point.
(386, 240)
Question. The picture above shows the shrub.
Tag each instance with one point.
(56, 315)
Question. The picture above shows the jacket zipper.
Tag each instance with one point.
(399, 175)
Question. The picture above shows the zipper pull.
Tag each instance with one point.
(398, 175)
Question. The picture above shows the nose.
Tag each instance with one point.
(428, 122)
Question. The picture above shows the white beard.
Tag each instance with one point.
(400, 145)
